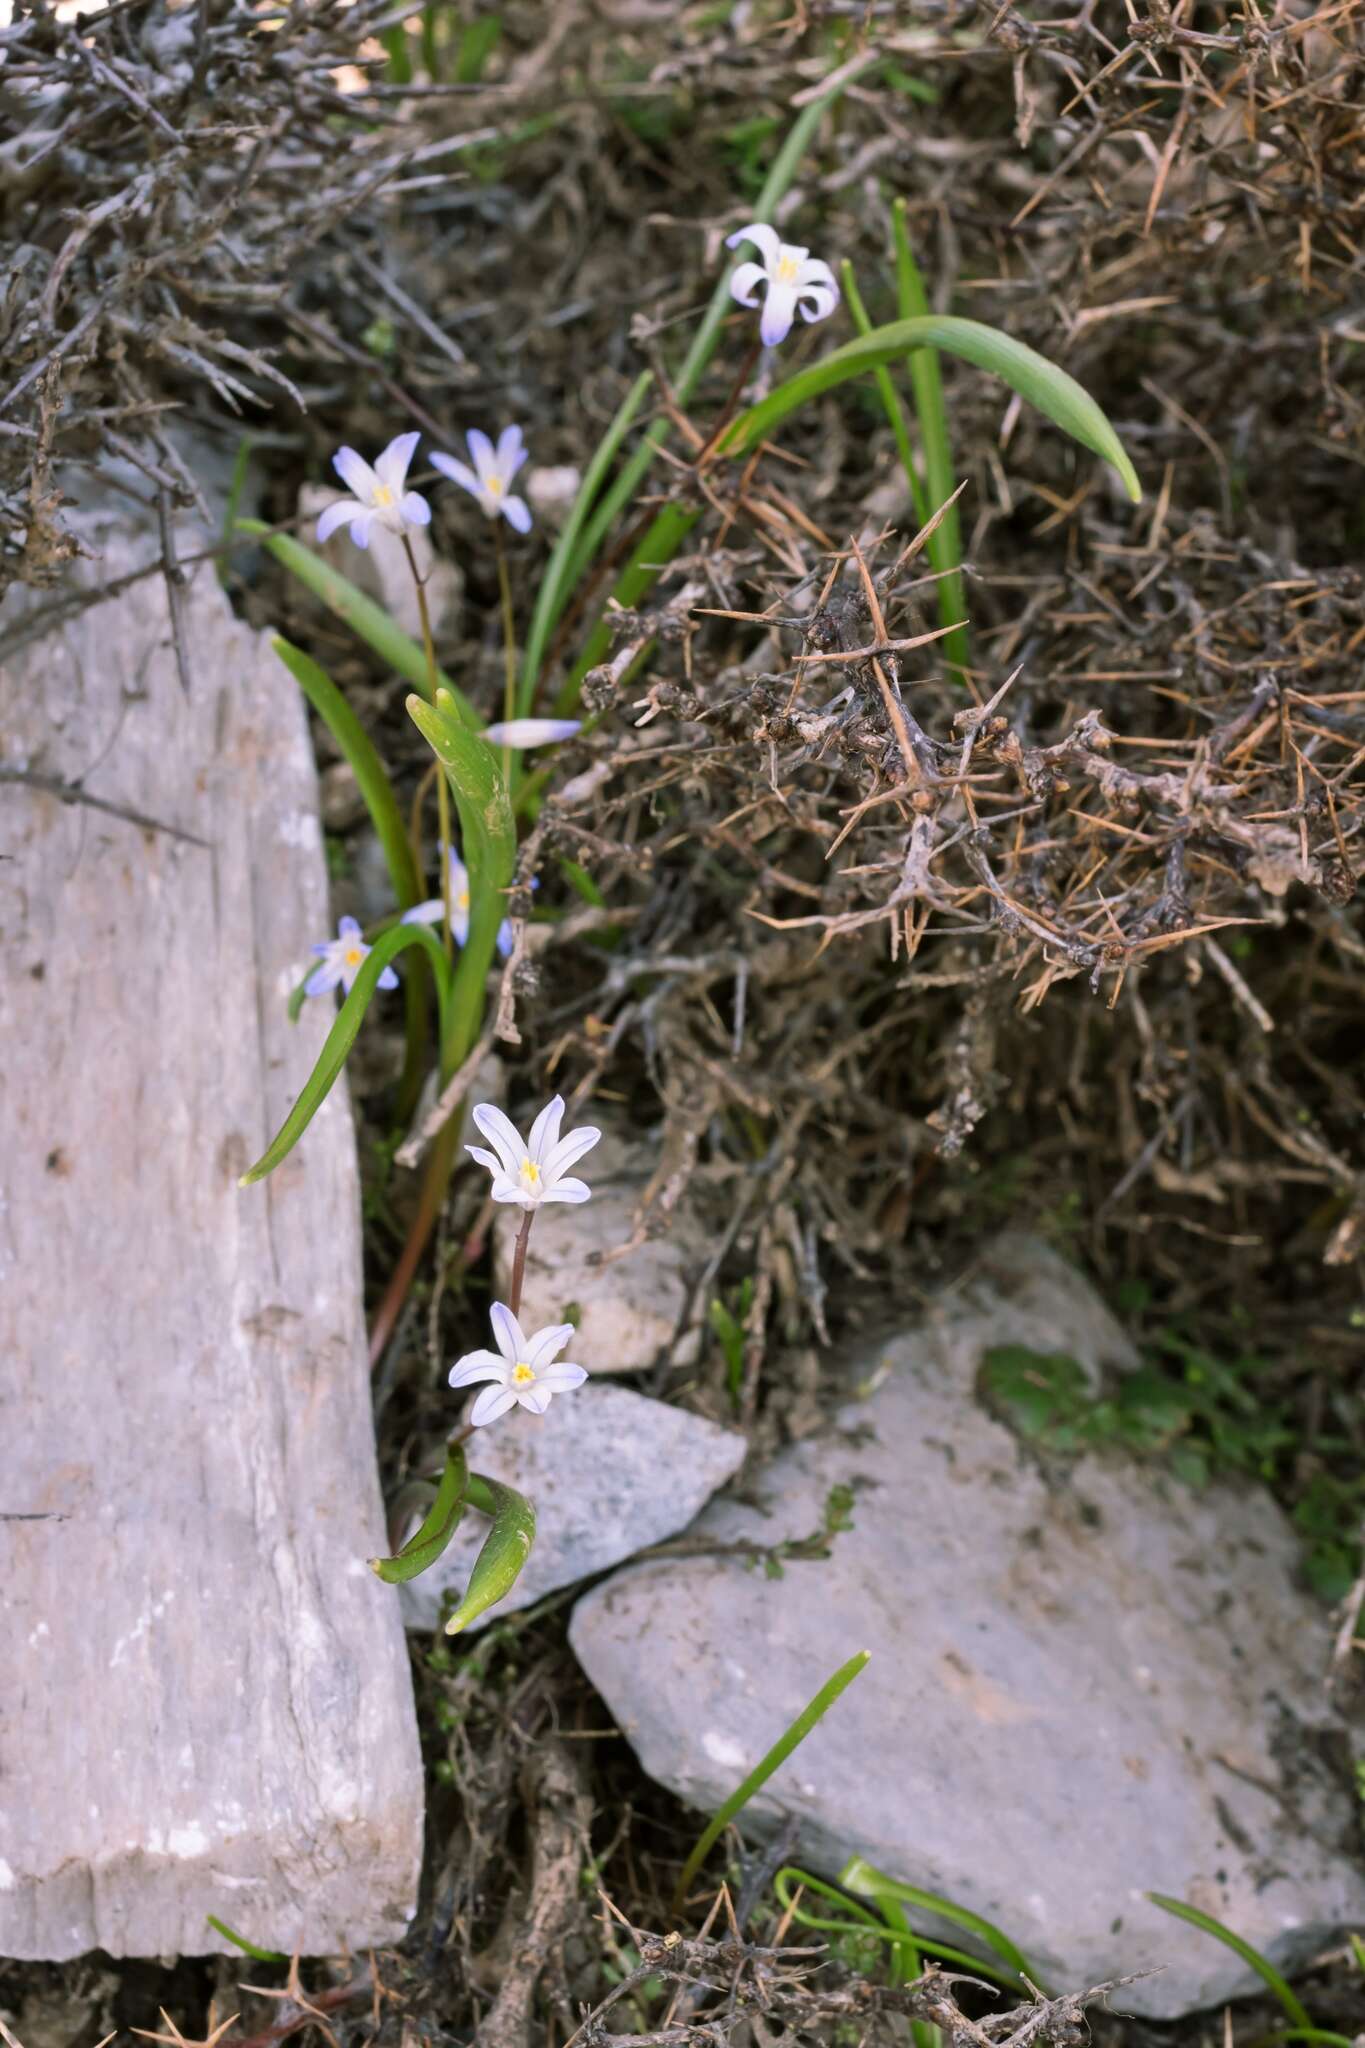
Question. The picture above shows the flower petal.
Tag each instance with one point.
(477, 1365)
(517, 513)
(508, 1190)
(348, 928)
(481, 449)
(815, 272)
(362, 526)
(568, 1191)
(562, 1378)
(568, 1150)
(322, 979)
(507, 938)
(503, 1135)
(531, 732)
(488, 1159)
(356, 474)
(392, 466)
(459, 472)
(765, 239)
(545, 1130)
(492, 1402)
(340, 514)
(546, 1345)
(512, 452)
(415, 509)
(508, 1334)
(779, 310)
(746, 281)
(430, 912)
(822, 301)
(537, 1399)
(387, 979)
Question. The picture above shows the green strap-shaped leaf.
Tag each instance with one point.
(506, 1548)
(364, 617)
(421, 1551)
(1293, 2005)
(1052, 390)
(868, 1882)
(489, 846)
(371, 780)
(342, 1035)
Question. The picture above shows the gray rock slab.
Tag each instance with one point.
(609, 1471)
(1082, 1688)
(631, 1308)
(205, 1702)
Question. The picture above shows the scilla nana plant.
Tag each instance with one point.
(622, 530)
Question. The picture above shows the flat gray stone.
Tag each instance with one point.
(1080, 1690)
(635, 1306)
(205, 1702)
(609, 1471)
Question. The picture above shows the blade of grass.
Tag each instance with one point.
(623, 491)
(558, 581)
(1052, 390)
(945, 544)
(1294, 2008)
(789, 1740)
(894, 1927)
(369, 621)
(867, 1882)
(248, 1948)
(342, 1037)
(892, 405)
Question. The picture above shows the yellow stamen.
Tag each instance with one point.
(354, 956)
(383, 497)
(462, 900)
(523, 1375)
(530, 1173)
(787, 268)
(495, 487)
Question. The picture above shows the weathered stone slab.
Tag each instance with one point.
(205, 1702)
(1083, 1687)
(610, 1472)
(635, 1306)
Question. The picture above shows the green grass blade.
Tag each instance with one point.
(867, 1882)
(940, 475)
(1052, 390)
(369, 621)
(506, 1548)
(421, 1551)
(789, 1740)
(1294, 2008)
(248, 1948)
(489, 846)
(895, 1928)
(342, 1037)
(371, 780)
(785, 166)
(558, 581)
(891, 404)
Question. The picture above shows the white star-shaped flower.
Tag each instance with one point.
(795, 282)
(490, 480)
(523, 1369)
(342, 959)
(433, 911)
(532, 1172)
(378, 497)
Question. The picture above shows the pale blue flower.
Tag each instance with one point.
(523, 1369)
(378, 497)
(342, 959)
(793, 282)
(434, 910)
(490, 480)
(531, 732)
(531, 1172)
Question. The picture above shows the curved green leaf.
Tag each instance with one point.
(940, 478)
(421, 1551)
(364, 617)
(342, 1036)
(1052, 390)
(868, 1882)
(898, 1932)
(489, 847)
(1295, 2010)
(506, 1548)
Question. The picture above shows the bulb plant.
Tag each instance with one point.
(613, 544)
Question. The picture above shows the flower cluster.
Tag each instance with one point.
(525, 1370)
